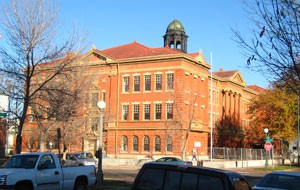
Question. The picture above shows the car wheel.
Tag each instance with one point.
(80, 184)
(23, 187)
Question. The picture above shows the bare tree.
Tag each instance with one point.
(186, 115)
(190, 110)
(274, 49)
(31, 32)
(57, 105)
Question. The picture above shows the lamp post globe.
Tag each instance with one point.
(101, 105)
(266, 130)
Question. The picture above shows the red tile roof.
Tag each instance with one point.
(134, 49)
(68, 58)
(194, 54)
(256, 88)
(225, 74)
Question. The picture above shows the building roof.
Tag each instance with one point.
(225, 74)
(256, 88)
(135, 49)
(235, 76)
(68, 58)
(230, 76)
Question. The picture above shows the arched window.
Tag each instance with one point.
(124, 143)
(169, 144)
(157, 144)
(135, 144)
(146, 144)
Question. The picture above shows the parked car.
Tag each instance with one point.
(279, 180)
(42, 170)
(155, 175)
(80, 158)
(173, 160)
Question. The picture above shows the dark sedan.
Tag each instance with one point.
(279, 180)
(158, 175)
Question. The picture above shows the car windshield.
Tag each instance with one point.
(84, 156)
(23, 161)
(168, 159)
(280, 181)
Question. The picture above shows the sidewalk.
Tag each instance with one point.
(244, 170)
(223, 164)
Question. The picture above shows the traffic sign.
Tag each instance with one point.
(268, 146)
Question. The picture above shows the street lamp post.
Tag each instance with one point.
(298, 128)
(101, 105)
(50, 145)
(266, 130)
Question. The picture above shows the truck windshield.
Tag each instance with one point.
(84, 156)
(23, 161)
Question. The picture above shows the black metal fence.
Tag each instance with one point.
(225, 153)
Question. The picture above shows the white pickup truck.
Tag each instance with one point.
(43, 171)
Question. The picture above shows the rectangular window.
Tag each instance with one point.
(95, 99)
(146, 144)
(94, 126)
(147, 112)
(158, 82)
(136, 84)
(170, 81)
(136, 112)
(147, 82)
(125, 112)
(214, 182)
(126, 84)
(103, 96)
(190, 180)
(169, 111)
(135, 144)
(157, 111)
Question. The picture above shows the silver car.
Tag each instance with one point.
(80, 158)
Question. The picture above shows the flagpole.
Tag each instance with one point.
(211, 109)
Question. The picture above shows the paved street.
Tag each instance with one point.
(120, 173)
(128, 173)
(251, 174)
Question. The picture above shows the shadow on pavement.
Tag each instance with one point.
(112, 184)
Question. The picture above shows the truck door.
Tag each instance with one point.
(49, 176)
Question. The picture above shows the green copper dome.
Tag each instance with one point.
(175, 25)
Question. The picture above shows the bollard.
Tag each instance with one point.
(200, 163)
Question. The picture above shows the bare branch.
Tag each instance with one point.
(31, 29)
(274, 49)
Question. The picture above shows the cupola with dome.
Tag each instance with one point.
(175, 36)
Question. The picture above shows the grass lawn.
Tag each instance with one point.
(281, 167)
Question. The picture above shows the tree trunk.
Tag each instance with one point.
(18, 143)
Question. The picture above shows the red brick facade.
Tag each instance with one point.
(165, 96)
(158, 102)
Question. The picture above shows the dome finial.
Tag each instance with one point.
(175, 25)
(175, 36)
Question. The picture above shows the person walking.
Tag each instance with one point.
(194, 154)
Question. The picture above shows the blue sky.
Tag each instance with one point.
(208, 24)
